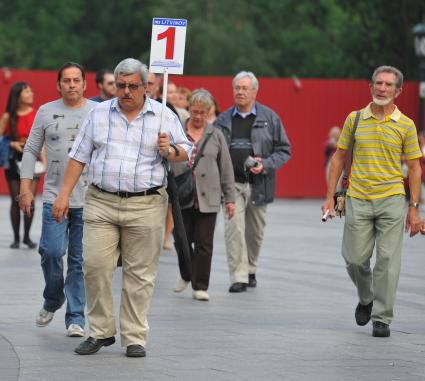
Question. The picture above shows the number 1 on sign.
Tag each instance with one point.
(170, 35)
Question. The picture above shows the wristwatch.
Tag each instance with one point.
(175, 148)
(414, 205)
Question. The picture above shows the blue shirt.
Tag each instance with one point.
(124, 156)
(244, 115)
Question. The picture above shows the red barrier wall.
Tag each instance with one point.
(307, 107)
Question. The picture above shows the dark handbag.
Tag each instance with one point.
(186, 187)
(186, 183)
(340, 196)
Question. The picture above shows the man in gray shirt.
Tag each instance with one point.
(56, 126)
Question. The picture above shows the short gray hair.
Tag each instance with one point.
(132, 66)
(248, 74)
(202, 97)
(389, 69)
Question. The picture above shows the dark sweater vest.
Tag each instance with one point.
(240, 145)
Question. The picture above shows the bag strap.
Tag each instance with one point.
(350, 152)
(201, 150)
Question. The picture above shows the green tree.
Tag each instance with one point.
(306, 38)
(39, 36)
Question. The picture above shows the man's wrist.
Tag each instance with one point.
(175, 149)
(170, 152)
(414, 204)
(22, 195)
(330, 195)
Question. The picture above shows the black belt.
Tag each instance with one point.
(147, 192)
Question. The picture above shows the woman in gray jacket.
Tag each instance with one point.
(214, 180)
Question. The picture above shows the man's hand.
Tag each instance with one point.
(329, 204)
(5, 117)
(422, 230)
(413, 222)
(258, 168)
(17, 146)
(60, 208)
(26, 202)
(163, 144)
(230, 209)
(3, 122)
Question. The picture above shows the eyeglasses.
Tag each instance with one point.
(196, 112)
(131, 86)
(242, 88)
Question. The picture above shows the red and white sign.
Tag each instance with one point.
(167, 45)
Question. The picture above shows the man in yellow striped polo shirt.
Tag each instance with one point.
(375, 204)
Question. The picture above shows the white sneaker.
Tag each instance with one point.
(44, 317)
(181, 285)
(74, 330)
(200, 295)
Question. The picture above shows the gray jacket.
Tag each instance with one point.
(269, 141)
(214, 172)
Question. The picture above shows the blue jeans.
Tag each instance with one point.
(54, 242)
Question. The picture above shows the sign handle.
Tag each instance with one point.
(164, 98)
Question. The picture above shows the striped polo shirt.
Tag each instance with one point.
(378, 150)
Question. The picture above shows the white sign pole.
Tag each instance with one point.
(164, 98)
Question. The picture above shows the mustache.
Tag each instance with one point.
(126, 97)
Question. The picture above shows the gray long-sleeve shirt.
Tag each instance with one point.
(56, 126)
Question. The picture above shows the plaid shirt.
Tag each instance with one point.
(124, 156)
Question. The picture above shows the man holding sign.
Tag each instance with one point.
(124, 143)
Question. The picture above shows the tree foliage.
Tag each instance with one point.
(322, 38)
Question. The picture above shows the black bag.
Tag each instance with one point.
(186, 187)
(339, 202)
(185, 181)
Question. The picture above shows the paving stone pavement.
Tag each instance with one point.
(297, 325)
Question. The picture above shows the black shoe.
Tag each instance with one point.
(135, 350)
(252, 282)
(29, 243)
(237, 287)
(380, 329)
(92, 345)
(14, 245)
(363, 313)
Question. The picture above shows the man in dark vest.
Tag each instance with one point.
(258, 147)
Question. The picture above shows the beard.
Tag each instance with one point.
(382, 102)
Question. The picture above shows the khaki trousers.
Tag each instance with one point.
(132, 226)
(370, 222)
(244, 235)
